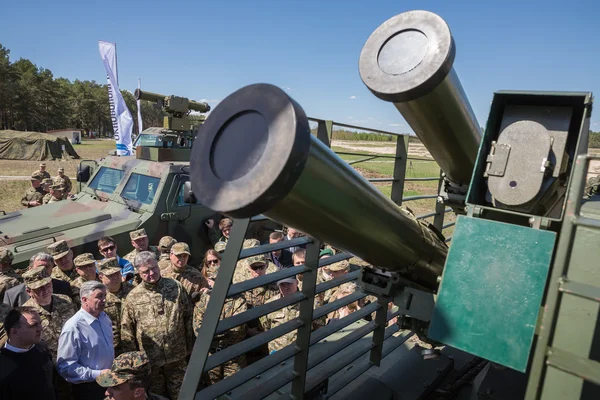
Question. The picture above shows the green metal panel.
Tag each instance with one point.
(492, 289)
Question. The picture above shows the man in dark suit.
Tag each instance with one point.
(281, 258)
(17, 296)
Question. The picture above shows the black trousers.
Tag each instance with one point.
(88, 391)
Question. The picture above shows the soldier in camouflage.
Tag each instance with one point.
(54, 309)
(46, 184)
(233, 306)
(128, 378)
(8, 277)
(287, 287)
(164, 246)
(57, 192)
(63, 258)
(35, 194)
(42, 171)
(220, 247)
(139, 241)
(242, 272)
(85, 266)
(192, 280)
(157, 319)
(63, 180)
(333, 271)
(109, 272)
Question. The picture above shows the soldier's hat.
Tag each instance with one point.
(259, 258)
(130, 365)
(47, 181)
(140, 233)
(42, 165)
(109, 266)
(326, 252)
(61, 169)
(58, 249)
(37, 175)
(58, 186)
(166, 242)
(36, 277)
(84, 259)
(339, 266)
(287, 280)
(220, 246)
(250, 243)
(6, 256)
(180, 248)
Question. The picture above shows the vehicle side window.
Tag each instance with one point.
(141, 188)
(180, 201)
(106, 180)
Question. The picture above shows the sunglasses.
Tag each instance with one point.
(258, 267)
(212, 261)
(109, 248)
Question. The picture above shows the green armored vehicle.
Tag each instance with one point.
(119, 194)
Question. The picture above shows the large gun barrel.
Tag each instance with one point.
(408, 61)
(255, 155)
(199, 106)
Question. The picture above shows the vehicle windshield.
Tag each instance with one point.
(106, 180)
(149, 140)
(140, 188)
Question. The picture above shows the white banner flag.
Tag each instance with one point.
(140, 128)
(119, 113)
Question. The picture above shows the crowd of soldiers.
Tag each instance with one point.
(45, 189)
(156, 301)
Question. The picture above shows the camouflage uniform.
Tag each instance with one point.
(62, 308)
(191, 279)
(8, 277)
(4, 309)
(277, 318)
(157, 319)
(46, 183)
(53, 198)
(33, 194)
(133, 253)
(58, 250)
(164, 246)
(68, 276)
(131, 365)
(233, 306)
(64, 181)
(45, 174)
(80, 261)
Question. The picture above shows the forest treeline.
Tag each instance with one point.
(32, 99)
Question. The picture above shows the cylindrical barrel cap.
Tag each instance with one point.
(407, 57)
(250, 151)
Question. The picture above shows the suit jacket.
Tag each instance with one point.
(284, 260)
(17, 296)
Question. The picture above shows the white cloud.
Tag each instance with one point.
(211, 101)
(352, 97)
(396, 124)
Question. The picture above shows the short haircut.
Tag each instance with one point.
(144, 258)
(104, 241)
(225, 222)
(87, 288)
(300, 253)
(276, 235)
(41, 256)
(139, 382)
(13, 318)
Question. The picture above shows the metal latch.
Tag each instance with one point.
(497, 159)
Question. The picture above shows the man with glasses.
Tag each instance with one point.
(108, 249)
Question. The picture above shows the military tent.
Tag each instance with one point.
(18, 145)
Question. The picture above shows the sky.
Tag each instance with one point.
(206, 50)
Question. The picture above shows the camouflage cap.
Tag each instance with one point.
(250, 243)
(130, 365)
(338, 266)
(58, 249)
(220, 246)
(166, 242)
(58, 186)
(259, 258)
(47, 181)
(84, 259)
(180, 248)
(140, 233)
(6, 256)
(108, 266)
(61, 169)
(37, 175)
(36, 277)
(42, 165)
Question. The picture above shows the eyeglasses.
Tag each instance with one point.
(212, 261)
(257, 267)
(109, 248)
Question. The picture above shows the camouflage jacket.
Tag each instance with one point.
(113, 308)
(77, 282)
(46, 198)
(52, 322)
(233, 306)
(277, 318)
(59, 274)
(64, 180)
(32, 195)
(191, 279)
(164, 261)
(157, 319)
(260, 295)
(131, 255)
(4, 309)
(8, 279)
(54, 199)
(45, 174)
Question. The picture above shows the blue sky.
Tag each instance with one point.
(206, 50)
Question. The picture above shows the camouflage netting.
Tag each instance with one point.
(17, 145)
